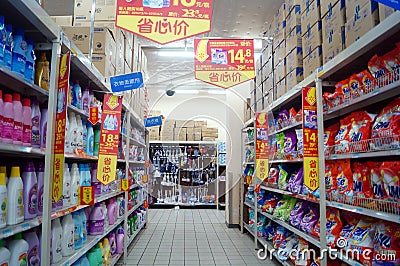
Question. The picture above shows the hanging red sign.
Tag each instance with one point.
(93, 115)
(86, 195)
(224, 63)
(165, 21)
(109, 138)
(262, 149)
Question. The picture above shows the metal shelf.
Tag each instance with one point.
(80, 157)
(92, 241)
(249, 204)
(248, 143)
(298, 232)
(294, 125)
(300, 160)
(249, 123)
(11, 230)
(18, 83)
(121, 160)
(21, 150)
(78, 111)
(371, 213)
(288, 193)
(185, 204)
(248, 163)
(134, 208)
(249, 230)
(116, 259)
(134, 186)
(136, 162)
(364, 155)
(135, 142)
(132, 237)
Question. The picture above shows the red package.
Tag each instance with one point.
(378, 70)
(362, 180)
(329, 136)
(387, 123)
(333, 226)
(377, 180)
(391, 61)
(391, 181)
(330, 177)
(273, 176)
(343, 90)
(344, 177)
(292, 115)
(367, 82)
(362, 239)
(386, 242)
(355, 85)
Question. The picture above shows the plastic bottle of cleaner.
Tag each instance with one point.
(40, 187)
(77, 95)
(5, 254)
(95, 183)
(29, 180)
(96, 222)
(96, 141)
(103, 206)
(68, 229)
(75, 179)
(67, 141)
(19, 53)
(107, 251)
(73, 132)
(66, 187)
(88, 175)
(8, 47)
(113, 244)
(33, 252)
(84, 226)
(102, 254)
(112, 211)
(1, 105)
(30, 61)
(120, 240)
(8, 120)
(15, 187)
(2, 40)
(94, 256)
(84, 134)
(17, 108)
(43, 126)
(77, 230)
(19, 251)
(26, 122)
(35, 118)
(86, 100)
(56, 240)
(3, 202)
(42, 72)
(90, 139)
(80, 132)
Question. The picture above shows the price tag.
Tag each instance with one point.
(145, 178)
(86, 195)
(124, 185)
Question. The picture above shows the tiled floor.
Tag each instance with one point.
(191, 237)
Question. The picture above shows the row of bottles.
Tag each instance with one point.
(83, 100)
(136, 220)
(81, 135)
(22, 249)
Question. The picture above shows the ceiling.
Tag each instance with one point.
(231, 19)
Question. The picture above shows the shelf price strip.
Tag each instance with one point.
(109, 137)
(262, 146)
(61, 114)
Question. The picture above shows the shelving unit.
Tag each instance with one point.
(48, 36)
(221, 175)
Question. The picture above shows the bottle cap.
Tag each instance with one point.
(3, 169)
(2, 180)
(26, 102)
(29, 167)
(15, 172)
(18, 236)
(16, 97)
(8, 98)
(106, 241)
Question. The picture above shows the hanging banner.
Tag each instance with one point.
(262, 146)
(127, 82)
(61, 115)
(165, 21)
(109, 137)
(224, 63)
(94, 115)
(153, 121)
(310, 139)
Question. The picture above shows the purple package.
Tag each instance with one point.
(284, 116)
(295, 182)
(290, 146)
(296, 215)
(309, 220)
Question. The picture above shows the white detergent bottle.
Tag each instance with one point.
(67, 142)
(73, 132)
(5, 255)
(75, 179)
(67, 236)
(56, 240)
(15, 188)
(79, 132)
(66, 187)
(3, 203)
(19, 251)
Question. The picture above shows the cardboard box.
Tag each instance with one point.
(200, 124)
(294, 59)
(98, 24)
(293, 19)
(154, 113)
(197, 137)
(280, 53)
(280, 71)
(293, 78)
(293, 39)
(189, 124)
(290, 4)
(326, 5)
(311, 14)
(169, 123)
(281, 88)
(63, 21)
(267, 84)
(279, 37)
(266, 70)
(312, 38)
(103, 65)
(105, 10)
(333, 32)
(384, 12)
(312, 61)
(266, 54)
(180, 134)
(209, 130)
(353, 5)
(179, 123)
(368, 18)
(281, 13)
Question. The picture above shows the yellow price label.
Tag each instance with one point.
(124, 185)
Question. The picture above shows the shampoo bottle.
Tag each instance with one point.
(8, 120)
(43, 126)
(9, 44)
(3, 202)
(56, 240)
(40, 187)
(68, 229)
(66, 187)
(5, 254)
(35, 117)
(19, 251)
(15, 187)
(26, 122)
(19, 53)
(17, 109)
(33, 252)
(29, 180)
(30, 61)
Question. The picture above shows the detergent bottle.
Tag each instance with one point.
(3, 201)
(26, 122)
(19, 53)
(56, 240)
(15, 187)
(5, 254)
(19, 251)
(29, 180)
(30, 61)
(33, 252)
(35, 117)
(17, 108)
(40, 187)
(66, 186)
(9, 44)
(96, 222)
(77, 230)
(68, 229)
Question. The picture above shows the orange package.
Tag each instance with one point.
(377, 180)
(391, 61)
(362, 180)
(334, 226)
(330, 177)
(343, 90)
(367, 82)
(344, 178)
(391, 172)
(329, 137)
(378, 70)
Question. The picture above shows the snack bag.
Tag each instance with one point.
(362, 180)
(378, 70)
(309, 220)
(296, 181)
(387, 243)
(344, 178)
(302, 247)
(391, 173)
(329, 137)
(270, 203)
(362, 239)
(286, 247)
(330, 177)
(377, 180)
(344, 92)
(299, 136)
(355, 85)
(297, 213)
(273, 176)
(280, 144)
(367, 82)
(281, 234)
(290, 145)
(283, 177)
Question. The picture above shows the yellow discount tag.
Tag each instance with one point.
(86, 195)
(262, 169)
(124, 185)
(311, 173)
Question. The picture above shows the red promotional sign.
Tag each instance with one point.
(224, 63)
(109, 137)
(262, 148)
(61, 115)
(94, 115)
(165, 21)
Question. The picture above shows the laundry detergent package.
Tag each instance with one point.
(309, 220)
(280, 144)
(282, 119)
(299, 136)
(391, 61)
(376, 67)
(367, 82)
(362, 239)
(283, 177)
(391, 181)
(330, 177)
(269, 230)
(386, 127)
(362, 180)
(261, 221)
(261, 197)
(286, 247)
(334, 226)
(271, 200)
(344, 178)
(273, 176)
(296, 181)
(387, 244)
(310, 118)
(281, 235)
(284, 207)
(297, 213)
(377, 180)
(355, 86)
(290, 146)
(350, 222)
(329, 137)
(301, 248)
(344, 92)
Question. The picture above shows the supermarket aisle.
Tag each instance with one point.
(191, 237)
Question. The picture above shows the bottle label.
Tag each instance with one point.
(40, 203)
(3, 207)
(1, 120)
(18, 64)
(20, 204)
(22, 259)
(32, 205)
(26, 133)
(96, 227)
(34, 257)
(8, 128)
(36, 131)
(29, 70)
(17, 131)
(86, 105)
(7, 57)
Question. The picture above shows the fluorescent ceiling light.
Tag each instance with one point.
(176, 54)
(187, 91)
(217, 91)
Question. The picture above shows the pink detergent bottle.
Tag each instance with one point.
(17, 108)
(96, 222)
(8, 120)
(120, 241)
(1, 112)
(112, 211)
(26, 122)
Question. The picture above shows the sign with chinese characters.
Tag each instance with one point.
(109, 137)
(93, 115)
(261, 124)
(86, 195)
(61, 115)
(127, 82)
(310, 139)
(124, 185)
(165, 21)
(153, 121)
(224, 62)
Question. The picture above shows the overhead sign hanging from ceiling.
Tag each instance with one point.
(224, 62)
(165, 21)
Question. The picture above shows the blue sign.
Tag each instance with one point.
(153, 121)
(391, 3)
(127, 82)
